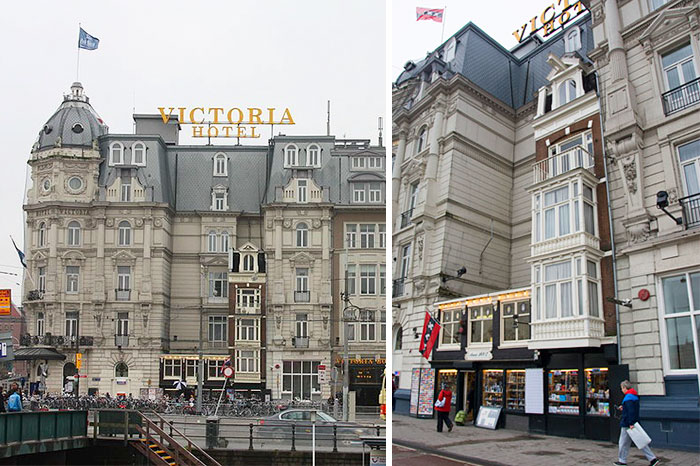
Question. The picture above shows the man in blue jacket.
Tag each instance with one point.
(14, 402)
(630, 416)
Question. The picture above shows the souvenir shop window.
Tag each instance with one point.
(515, 390)
(492, 394)
(563, 392)
(597, 392)
(448, 376)
(481, 324)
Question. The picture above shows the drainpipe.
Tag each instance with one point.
(610, 219)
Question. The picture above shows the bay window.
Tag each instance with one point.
(564, 210)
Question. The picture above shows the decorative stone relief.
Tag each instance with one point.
(158, 222)
(419, 250)
(139, 222)
(287, 223)
(316, 223)
(109, 222)
(629, 167)
(638, 232)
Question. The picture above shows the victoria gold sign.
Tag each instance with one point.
(550, 19)
(226, 122)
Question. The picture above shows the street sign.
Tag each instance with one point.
(78, 360)
(322, 374)
(5, 302)
(228, 372)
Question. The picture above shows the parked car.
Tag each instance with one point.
(280, 425)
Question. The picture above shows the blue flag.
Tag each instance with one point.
(21, 254)
(86, 41)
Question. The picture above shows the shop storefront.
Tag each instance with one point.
(366, 380)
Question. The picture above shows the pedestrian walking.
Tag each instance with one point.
(14, 402)
(630, 416)
(2, 400)
(443, 406)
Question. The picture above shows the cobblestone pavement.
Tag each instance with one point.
(504, 447)
(409, 457)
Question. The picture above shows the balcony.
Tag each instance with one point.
(406, 218)
(691, 210)
(573, 332)
(302, 296)
(56, 341)
(576, 157)
(121, 340)
(217, 344)
(681, 97)
(560, 243)
(122, 295)
(397, 288)
(300, 342)
(35, 295)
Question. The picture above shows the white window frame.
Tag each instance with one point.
(359, 162)
(302, 235)
(172, 369)
(41, 273)
(217, 324)
(382, 279)
(422, 139)
(301, 279)
(351, 235)
(678, 66)
(72, 279)
(693, 313)
(247, 361)
(138, 148)
(358, 193)
(219, 199)
(214, 368)
(302, 191)
(374, 162)
(450, 50)
(368, 279)
(220, 164)
(248, 263)
(375, 193)
(351, 279)
(656, 4)
(123, 278)
(224, 241)
(301, 325)
(313, 156)
(508, 320)
(405, 263)
(485, 314)
(449, 327)
(218, 278)
(71, 323)
(248, 329)
(116, 153)
(572, 40)
(122, 324)
(311, 376)
(125, 192)
(42, 235)
(693, 162)
(212, 241)
(568, 90)
(247, 299)
(381, 227)
(74, 233)
(40, 324)
(368, 325)
(124, 233)
(291, 155)
(368, 232)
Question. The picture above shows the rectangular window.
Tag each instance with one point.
(302, 325)
(302, 279)
(368, 279)
(367, 236)
(72, 278)
(172, 368)
(247, 361)
(351, 235)
(126, 193)
(382, 324)
(300, 379)
(247, 330)
(382, 235)
(405, 261)
(123, 278)
(218, 328)
(368, 325)
(449, 331)
(481, 324)
(681, 297)
(515, 390)
(558, 290)
(375, 193)
(382, 279)
(191, 368)
(492, 389)
(302, 191)
(413, 198)
(123, 324)
(351, 277)
(563, 392)
(40, 324)
(42, 279)
(358, 162)
(247, 299)
(358, 192)
(678, 66)
(689, 156)
(214, 368)
(71, 324)
(218, 285)
(516, 329)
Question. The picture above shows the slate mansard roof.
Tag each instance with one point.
(512, 76)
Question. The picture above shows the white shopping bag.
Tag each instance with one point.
(639, 436)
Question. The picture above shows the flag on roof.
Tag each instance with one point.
(86, 41)
(434, 14)
(20, 253)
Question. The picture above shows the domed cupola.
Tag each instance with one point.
(75, 124)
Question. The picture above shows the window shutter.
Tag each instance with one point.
(236, 263)
(261, 262)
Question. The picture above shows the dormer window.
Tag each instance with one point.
(291, 153)
(116, 153)
(248, 263)
(138, 154)
(313, 156)
(301, 191)
(219, 198)
(450, 50)
(220, 165)
(572, 40)
(359, 162)
(374, 162)
(567, 92)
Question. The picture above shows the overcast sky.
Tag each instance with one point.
(411, 39)
(271, 53)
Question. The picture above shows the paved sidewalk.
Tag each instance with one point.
(504, 447)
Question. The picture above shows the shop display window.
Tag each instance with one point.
(492, 394)
(515, 390)
(448, 376)
(563, 392)
(597, 392)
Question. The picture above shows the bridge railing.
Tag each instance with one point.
(28, 432)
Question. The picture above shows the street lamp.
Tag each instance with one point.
(349, 315)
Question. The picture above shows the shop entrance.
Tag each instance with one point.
(469, 394)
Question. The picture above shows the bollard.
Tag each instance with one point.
(335, 438)
(294, 448)
(250, 447)
(379, 431)
(212, 432)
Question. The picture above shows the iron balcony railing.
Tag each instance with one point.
(406, 217)
(681, 97)
(398, 287)
(300, 342)
(122, 295)
(302, 296)
(51, 340)
(691, 210)
(35, 295)
(121, 340)
(576, 157)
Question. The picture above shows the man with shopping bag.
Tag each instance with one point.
(630, 429)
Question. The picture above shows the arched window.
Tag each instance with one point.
(290, 155)
(422, 139)
(42, 234)
(138, 154)
(567, 92)
(116, 153)
(212, 241)
(314, 156)
(121, 370)
(248, 263)
(398, 342)
(302, 235)
(224, 241)
(124, 233)
(74, 233)
(572, 40)
(220, 165)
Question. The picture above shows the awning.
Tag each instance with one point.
(32, 354)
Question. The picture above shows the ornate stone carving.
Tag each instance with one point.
(139, 222)
(287, 223)
(419, 249)
(158, 222)
(638, 232)
(316, 223)
(109, 222)
(629, 167)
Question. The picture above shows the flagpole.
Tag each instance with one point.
(444, 14)
(77, 68)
